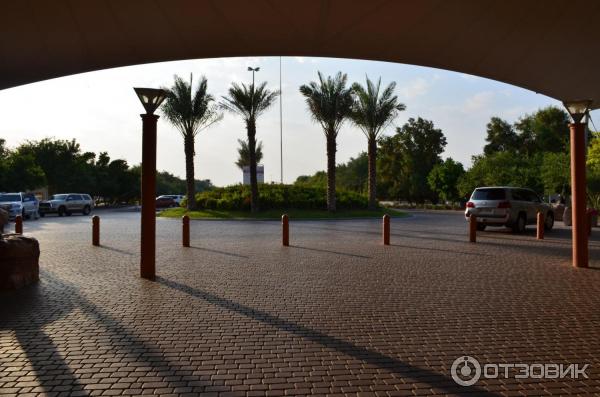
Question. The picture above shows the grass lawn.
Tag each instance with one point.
(276, 214)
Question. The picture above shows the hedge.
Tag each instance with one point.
(275, 196)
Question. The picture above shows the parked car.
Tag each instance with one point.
(178, 198)
(67, 204)
(24, 204)
(508, 206)
(165, 202)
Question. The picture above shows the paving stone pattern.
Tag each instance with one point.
(336, 313)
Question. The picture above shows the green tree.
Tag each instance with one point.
(501, 137)
(546, 130)
(190, 111)
(351, 175)
(502, 169)
(65, 166)
(250, 102)
(330, 103)
(421, 145)
(443, 179)
(555, 172)
(22, 173)
(244, 153)
(373, 111)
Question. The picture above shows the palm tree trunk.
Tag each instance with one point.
(331, 149)
(251, 126)
(188, 146)
(372, 153)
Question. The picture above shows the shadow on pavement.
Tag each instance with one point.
(19, 312)
(434, 379)
(219, 252)
(329, 252)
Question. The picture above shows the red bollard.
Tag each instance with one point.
(19, 224)
(472, 228)
(285, 226)
(386, 230)
(186, 230)
(96, 230)
(540, 226)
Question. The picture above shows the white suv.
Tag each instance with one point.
(24, 204)
(508, 206)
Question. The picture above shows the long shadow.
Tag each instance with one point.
(434, 379)
(20, 311)
(219, 252)
(120, 251)
(440, 250)
(330, 252)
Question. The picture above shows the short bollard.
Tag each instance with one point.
(285, 230)
(185, 220)
(96, 230)
(472, 228)
(540, 226)
(19, 224)
(386, 230)
(589, 222)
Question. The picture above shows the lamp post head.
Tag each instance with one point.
(251, 69)
(578, 109)
(151, 98)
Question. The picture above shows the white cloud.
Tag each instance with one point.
(477, 102)
(417, 87)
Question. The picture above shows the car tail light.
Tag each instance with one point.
(504, 204)
(470, 204)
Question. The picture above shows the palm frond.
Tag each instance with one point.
(329, 101)
(373, 110)
(189, 110)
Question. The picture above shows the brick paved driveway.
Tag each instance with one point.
(336, 313)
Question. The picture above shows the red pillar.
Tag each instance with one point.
(148, 237)
(96, 230)
(185, 230)
(579, 196)
(386, 229)
(285, 230)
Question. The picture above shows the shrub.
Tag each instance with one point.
(272, 196)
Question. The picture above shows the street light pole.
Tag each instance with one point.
(251, 69)
(151, 100)
(280, 126)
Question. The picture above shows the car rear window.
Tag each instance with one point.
(489, 194)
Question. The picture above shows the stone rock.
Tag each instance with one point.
(19, 261)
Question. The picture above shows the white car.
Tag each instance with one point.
(24, 204)
(178, 198)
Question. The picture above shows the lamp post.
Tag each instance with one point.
(253, 70)
(151, 99)
(577, 110)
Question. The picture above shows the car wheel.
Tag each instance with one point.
(87, 210)
(549, 222)
(36, 215)
(61, 211)
(481, 227)
(520, 224)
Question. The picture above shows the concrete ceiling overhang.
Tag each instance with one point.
(549, 46)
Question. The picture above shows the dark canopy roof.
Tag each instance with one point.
(549, 46)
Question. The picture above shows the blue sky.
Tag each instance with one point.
(101, 111)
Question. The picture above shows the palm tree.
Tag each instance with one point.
(244, 154)
(190, 111)
(372, 112)
(330, 103)
(250, 102)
